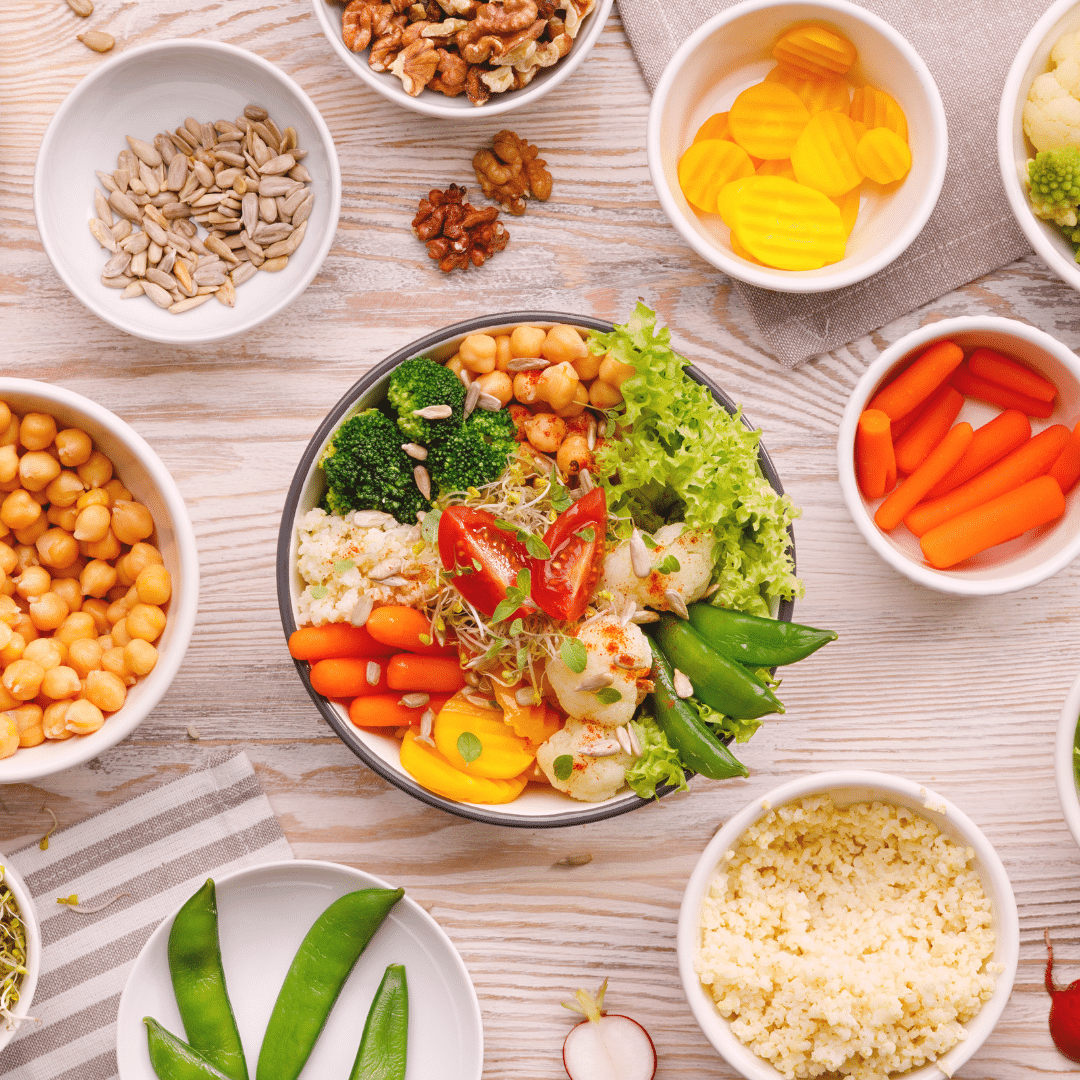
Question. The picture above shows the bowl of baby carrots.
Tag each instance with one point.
(959, 455)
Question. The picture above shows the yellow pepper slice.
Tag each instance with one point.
(432, 771)
(707, 166)
(766, 119)
(503, 755)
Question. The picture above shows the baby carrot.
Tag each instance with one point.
(875, 462)
(404, 628)
(335, 639)
(429, 674)
(1033, 459)
(1066, 470)
(999, 369)
(991, 443)
(349, 676)
(913, 448)
(941, 459)
(971, 385)
(388, 710)
(1035, 503)
(914, 385)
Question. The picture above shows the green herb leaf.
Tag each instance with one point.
(522, 657)
(608, 695)
(649, 542)
(477, 565)
(469, 746)
(318, 592)
(574, 655)
(667, 565)
(342, 565)
(429, 530)
(524, 582)
(562, 767)
(560, 497)
(425, 639)
(516, 627)
(536, 547)
(588, 535)
(506, 608)
(495, 648)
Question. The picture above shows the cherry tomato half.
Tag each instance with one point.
(563, 585)
(486, 559)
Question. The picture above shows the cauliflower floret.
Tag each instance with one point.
(1051, 112)
(592, 779)
(694, 551)
(611, 649)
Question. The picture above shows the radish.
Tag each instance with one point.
(606, 1046)
(1064, 1009)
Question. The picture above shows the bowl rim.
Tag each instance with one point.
(798, 281)
(341, 727)
(1007, 923)
(501, 103)
(30, 920)
(941, 580)
(183, 608)
(1064, 770)
(235, 53)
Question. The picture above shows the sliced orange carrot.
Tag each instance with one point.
(1006, 432)
(429, 674)
(942, 458)
(971, 385)
(914, 446)
(388, 710)
(915, 384)
(1035, 503)
(999, 369)
(875, 462)
(1033, 459)
(335, 639)
(349, 676)
(405, 628)
(1066, 470)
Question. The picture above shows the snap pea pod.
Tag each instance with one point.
(174, 1059)
(385, 1042)
(722, 684)
(698, 748)
(315, 978)
(754, 641)
(198, 980)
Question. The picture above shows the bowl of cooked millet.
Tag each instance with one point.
(849, 923)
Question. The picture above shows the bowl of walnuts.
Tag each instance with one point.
(457, 58)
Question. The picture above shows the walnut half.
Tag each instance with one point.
(511, 171)
(415, 66)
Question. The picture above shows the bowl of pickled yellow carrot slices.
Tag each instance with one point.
(799, 147)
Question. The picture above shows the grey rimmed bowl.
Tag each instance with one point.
(537, 807)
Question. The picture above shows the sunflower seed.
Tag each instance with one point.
(298, 172)
(102, 208)
(164, 145)
(594, 682)
(97, 40)
(270, 234)
(148, 179)
(676, 603)
(123, 205)
(585, 482)
(134, 289)
(172, 211)
(245, 272)
(644, 616)
(193, 733)
(122, 281)
(226, 293)
(250, 212)
(144, 151)
(466, 377)
(488, 402)
(155, 231)
(156, 293)
(183, 277)
(207, 136)
(683, 686)
(415, 450)
(177, 175)
(160, 277)
(176, 239)
(276, 166)
(414, 701)
(624, 739)
(525, 696)
(527, 363)
(287, 206)
(714, 587)
(121, 230)
(423, 480)
(135, 243)
(274, 265)
(117, 264)
(387, 568)
(573, 860)
(471, 398)
(138, 264)
(209, 276)
(83, 8)
(434, 412)
(255, 113)
(590, 433)
(103, 234)
(156, 216)
(267, 208)
(303, 209)
(635, 742)
(602, 748)
(189, 303)
(359, 614)
(639, 555)
(107, 181)
(168, 261)
(427, 721)
(218, 248)
(273, 186)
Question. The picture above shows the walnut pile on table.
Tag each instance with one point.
(456, 233)
(511, 171)
(463, 46)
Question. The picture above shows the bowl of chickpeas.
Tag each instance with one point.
(99, 579)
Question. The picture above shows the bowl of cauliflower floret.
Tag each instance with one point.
(1039, 139)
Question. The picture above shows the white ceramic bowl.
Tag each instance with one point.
(848, 787)
(431, 102)
(28, 912)
(1020, 563)
(149, 481)
(1014, 150)
(151, 89)
(732, 51)
(1064, 761)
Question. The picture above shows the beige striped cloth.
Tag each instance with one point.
(158, 848)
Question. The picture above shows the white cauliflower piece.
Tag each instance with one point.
(622, 652)
(692, 548)
(592, 779)
(1052, 110)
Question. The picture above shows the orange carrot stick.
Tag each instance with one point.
(335, 639)
(1002, 519)
(1033, 459)
(973, 386)
(388, 710)
(942, 458)
(427, 674)
(933, 424)
(913, 386)
(1066, 470)
(349, 676)
(999, 369)
(404, 628)
(1006, 432)
(875, 462)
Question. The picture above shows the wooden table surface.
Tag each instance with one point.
(962, 695)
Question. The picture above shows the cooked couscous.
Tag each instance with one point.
(853, 940)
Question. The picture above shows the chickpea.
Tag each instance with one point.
(563, 343)
(107, 549)
(26, 555)
(48, 612)
(53, 720)
(614, 371)
(65, 489)
(37, 430)
(97, 578)
(70, 591)
(131, 521)
(33, 581)
(573, 455)
(5, 414)
(22, 679)
(71, 572)
(557, 385)
(499, 385)
(18, 510)
(24, 627)
(96, 610)
(577, 406)
(5, 637)
(8, 559)
(84, 655)
(120, 633)
(145, 621)
(503, 355)
(78, 626)
(40, 497)
(118, 593)
(14, 649)
(7, 702)
(32, 736)
(112, 659)
(9, 736)
(37, 470)
(545, 432)
(61, 682)
(140, 656)
(526, 341)
(478, 353)
(138, 558)
(93, 523)
(44, 652)
(93, 497)
(154, 586)
(63, 517)
(105, 690)
(587, 366)
(9, 611)
(603, 395)
(57, 549)
(9, 463)
(74, 447)
(96, 471)
(526, 387)
(83, 717)
(116, 491)
(31, 534)
(10, 437)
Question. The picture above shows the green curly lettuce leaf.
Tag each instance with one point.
(725, 727)
(659, 763)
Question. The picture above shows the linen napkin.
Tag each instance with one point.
(968, 46)
(157, 848)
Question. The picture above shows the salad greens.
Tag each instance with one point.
(12, 950)
(659, 764)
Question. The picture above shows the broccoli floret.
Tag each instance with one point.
(421, 382)
(474, 455)
(496, 427)
(1055, 185)
(366, 469)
